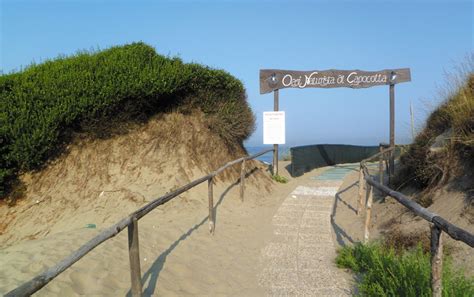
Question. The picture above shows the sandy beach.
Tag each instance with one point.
(178, 255)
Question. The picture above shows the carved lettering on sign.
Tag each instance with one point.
(272, 79)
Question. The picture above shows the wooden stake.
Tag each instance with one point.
(381, 165)
(369, 196)
(275, 146)
(436, 261)
(134, 255)
(211, 205)
(242, 181)
(361, 190)
(392, 129)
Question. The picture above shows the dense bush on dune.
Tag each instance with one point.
(98, 92)
(445, 147)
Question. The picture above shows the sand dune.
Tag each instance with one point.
(98, 182)
(178, 256)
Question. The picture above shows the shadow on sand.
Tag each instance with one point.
(153, 272)
(340, 233)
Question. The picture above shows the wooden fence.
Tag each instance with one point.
(131, 222)
(438, 223)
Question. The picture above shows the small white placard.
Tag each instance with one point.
(273, 127)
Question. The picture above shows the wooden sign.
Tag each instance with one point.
(274, 79)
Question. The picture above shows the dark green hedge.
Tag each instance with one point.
(41, 105)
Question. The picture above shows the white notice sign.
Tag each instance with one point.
(274, 127)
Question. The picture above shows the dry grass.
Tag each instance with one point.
(401, 241)
(454, 117)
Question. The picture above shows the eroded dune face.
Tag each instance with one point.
(97, 182)
(100, 181)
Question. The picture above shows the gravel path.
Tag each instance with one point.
(299, 260)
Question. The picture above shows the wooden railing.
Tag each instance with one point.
(131, 222)
(438, 223)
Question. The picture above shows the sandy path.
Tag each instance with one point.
(180, 258)
(299, 259)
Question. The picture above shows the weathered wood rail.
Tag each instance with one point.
(131, 222)
(438, 224)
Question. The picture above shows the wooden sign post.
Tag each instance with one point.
(272, 80)
(392, 129)
(275, 146)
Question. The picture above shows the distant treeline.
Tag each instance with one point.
(93, 92)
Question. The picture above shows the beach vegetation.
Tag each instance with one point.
(444, 148)
(383, 271)
(279, 179)
(98, 93)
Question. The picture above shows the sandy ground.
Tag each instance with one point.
(180, 258)
(96, 183)
(178, 255)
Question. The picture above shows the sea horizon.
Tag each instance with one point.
(283, 151)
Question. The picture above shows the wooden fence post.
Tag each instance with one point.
(436, 261)
(211, 204)
(242, 181)
(134, 255)
(392, 129)
(275, 146)
(369, 197)
(381, 165)
(361, 190)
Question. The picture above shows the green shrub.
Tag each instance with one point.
(94, 92)
(387, 273)
(280, 179)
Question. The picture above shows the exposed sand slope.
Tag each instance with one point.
(98, 182)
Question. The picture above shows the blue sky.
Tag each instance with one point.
(242, 37)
